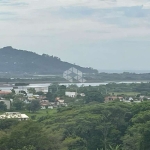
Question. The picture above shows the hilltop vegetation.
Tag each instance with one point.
(93, 126)
(25, 62)
(86, 124)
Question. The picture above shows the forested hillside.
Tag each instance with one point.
(93, 126)
(25, 62)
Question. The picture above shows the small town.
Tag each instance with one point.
(74, 75)
(41, 97)
(44, 97)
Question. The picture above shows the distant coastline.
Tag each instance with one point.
(121, 71)
(46, 84)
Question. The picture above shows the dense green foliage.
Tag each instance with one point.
(94, 96)
(134, 87)
(18, 105)
(92, 126)
(33, 106)
(31, 90)
(25, 134)
(86, 124)
(3, 107)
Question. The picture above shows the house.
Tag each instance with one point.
(3, 93)
(14, 115)
(47, 107)
(71, 94)
(58, 99)
(42, 89)
(112, 98)
(131, 99)
(17, 91)
(82, 94)
(31, 97)
(36, 96)
(45, 104)
(126, 101)
(61, 101)
(6, 102)
(29, 94)
(144, 97)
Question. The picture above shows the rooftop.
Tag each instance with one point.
(13, 115)
(4, 92)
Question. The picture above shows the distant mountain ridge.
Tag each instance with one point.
(21, 62)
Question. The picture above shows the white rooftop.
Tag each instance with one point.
(13, 115)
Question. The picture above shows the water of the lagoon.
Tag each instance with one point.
(7, 87)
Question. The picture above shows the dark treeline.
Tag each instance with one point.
(122, 88)
(32, 80)
(126, 76)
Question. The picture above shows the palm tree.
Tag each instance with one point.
(116, 148)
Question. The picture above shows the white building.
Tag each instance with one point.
(82, 94)
(41, 89)
(71, 94)
(18, 91)
(131, 99)
(14, 115)
(48, 107)
(37, 88)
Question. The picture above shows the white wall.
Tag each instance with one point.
(71, 94)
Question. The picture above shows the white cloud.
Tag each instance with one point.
(67, 24)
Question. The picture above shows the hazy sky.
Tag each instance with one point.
(103, 34)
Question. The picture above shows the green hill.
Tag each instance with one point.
(26, 62)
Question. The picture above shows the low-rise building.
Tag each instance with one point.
(82, 94)
(47, 107)
(36, 96)
(131, 99)
(3, 93)
(14, 115)
(43, 89)
(112, 98)
(71, 94)
(58, 99)
(45, 104)
(19, 91)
